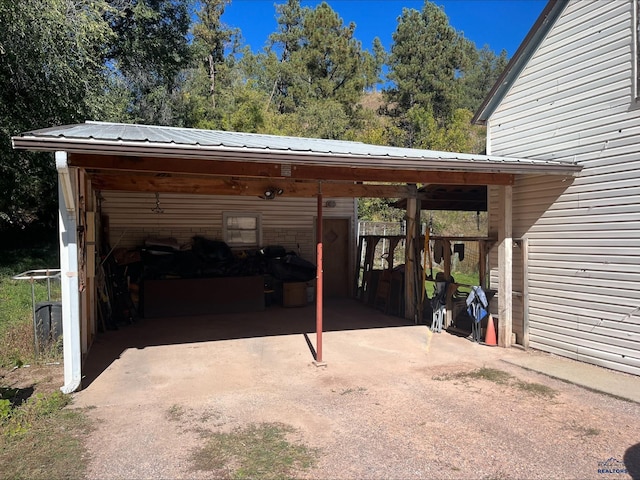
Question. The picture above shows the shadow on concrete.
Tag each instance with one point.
(339, 314)
(632, 461)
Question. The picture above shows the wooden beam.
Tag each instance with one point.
(410, 262)
(296, 171)
(179, 166)
(392, 174)
(446, 260)
(209, 185)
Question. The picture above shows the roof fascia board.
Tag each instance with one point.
(225, 153)
(525, 51)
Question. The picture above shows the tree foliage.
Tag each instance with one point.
(148, 53)
(485, 68)
(176, 62)
(52, 72)
(313, 58)
(426, 62)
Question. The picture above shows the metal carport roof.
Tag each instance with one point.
(156, 141)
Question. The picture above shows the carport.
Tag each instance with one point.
(95, 157)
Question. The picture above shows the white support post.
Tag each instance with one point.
(505, 267)
(69, 277)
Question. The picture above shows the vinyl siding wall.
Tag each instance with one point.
(575, 101)
(289, 222)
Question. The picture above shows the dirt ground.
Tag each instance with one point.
(391, 403)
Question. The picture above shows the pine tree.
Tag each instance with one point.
(426, 59)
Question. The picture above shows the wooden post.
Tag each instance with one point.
(448, 318)
(417, 276)
(410, 264)
(482, 264)
(505, 267)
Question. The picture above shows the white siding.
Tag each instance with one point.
(289, 222)
(574, 101)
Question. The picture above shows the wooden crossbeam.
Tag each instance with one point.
(240, 186)
(193, 166)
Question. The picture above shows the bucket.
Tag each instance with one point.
(294, 294)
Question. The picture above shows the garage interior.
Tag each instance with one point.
(94, 158)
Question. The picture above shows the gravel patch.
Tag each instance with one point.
(392, 403)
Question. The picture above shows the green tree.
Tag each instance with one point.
(148, 56)
(211, 83)
(426, 55)
(313, 58)
(284, 43)
(379, 210)
(335, 66)
(483, 72)
(52, 72)
(426, 59)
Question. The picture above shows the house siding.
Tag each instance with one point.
(289, 222)
(574, 101)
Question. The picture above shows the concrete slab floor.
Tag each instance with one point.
(157, 352)
(169, 342)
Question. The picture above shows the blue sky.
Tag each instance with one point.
(502, 24)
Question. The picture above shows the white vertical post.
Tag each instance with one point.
(69, 277)
(505, 267)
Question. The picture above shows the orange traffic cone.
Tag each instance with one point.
(490, 336)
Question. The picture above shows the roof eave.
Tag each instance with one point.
(226, 153)
(525, 51)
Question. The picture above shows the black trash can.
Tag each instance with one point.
(48, 318)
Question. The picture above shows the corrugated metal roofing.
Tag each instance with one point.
(100, 137)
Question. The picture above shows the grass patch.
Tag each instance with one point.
(256, 451)
(502, 378)
(175, 413)
(490, 374)
(584, 431)
(19, 419)
(16, 315)
(459, 277)
(347, 391)
(39, 438)
(14, 261)
(537, 389)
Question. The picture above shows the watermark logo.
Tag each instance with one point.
(612, 466)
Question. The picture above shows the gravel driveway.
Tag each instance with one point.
(392, 403)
